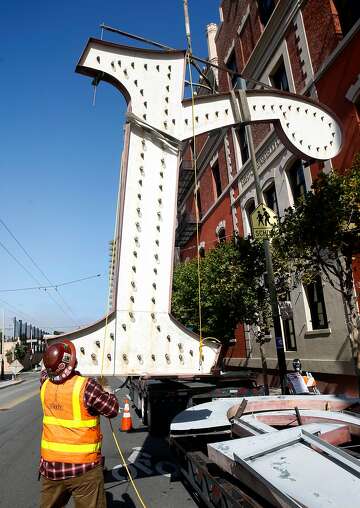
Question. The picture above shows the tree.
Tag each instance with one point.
(320, 236)
(232, 290)
(20, 351)
(9, 356)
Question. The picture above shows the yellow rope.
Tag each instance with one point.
(126, 467)
(114, 252)
(194, 161)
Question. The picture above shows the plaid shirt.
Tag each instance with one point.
(98, 402)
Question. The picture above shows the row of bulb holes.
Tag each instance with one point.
(139, 357)
(138, 227)
(167, 357)
(98, 344)
(207, 116)
(145, 103)
(298, 109)
(284, 115)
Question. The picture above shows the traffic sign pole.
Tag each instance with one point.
(279, 342)
(2, 376)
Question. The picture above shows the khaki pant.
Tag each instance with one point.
(87, 491)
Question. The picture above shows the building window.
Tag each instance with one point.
(243, 143)
(217, 179)
(201, 251)
(232, 65)
(297, 181)
(198, 204)
(221, 234)
(315, 297)
(357, 107)
(289, 335)
(348, 14)
(278, 77)
(289, 329)
(266, 8)
(250, 207)
(271, 199)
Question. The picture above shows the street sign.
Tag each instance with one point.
(16, 367)
(263, 219)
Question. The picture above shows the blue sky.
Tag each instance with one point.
(60, 156)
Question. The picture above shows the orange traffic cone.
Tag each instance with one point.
(126, 422)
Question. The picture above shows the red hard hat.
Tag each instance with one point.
(60, 360)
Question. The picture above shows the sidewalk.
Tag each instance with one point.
(10, 382)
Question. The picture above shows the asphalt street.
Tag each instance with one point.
(149, 459)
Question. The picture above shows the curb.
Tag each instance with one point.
(10, 383)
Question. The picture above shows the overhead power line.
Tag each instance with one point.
(67, 312)
(52, 286)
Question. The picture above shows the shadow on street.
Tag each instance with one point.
(126, 501)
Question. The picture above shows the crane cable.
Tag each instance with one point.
(194, 164)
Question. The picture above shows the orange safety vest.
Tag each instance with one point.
(70, 433)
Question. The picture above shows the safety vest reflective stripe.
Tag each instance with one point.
(42, 392)
(76, 397)
(71, 448)
(71, 424)
(77, 422)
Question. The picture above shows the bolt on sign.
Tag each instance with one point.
(263, 219)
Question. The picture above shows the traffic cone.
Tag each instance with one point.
(126, 422)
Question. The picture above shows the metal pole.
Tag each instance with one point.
(187, 26)
(279, 343)
(3, 348)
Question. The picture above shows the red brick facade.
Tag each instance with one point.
(241, 30)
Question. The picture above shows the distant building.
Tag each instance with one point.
(29, 334)
(310, 47)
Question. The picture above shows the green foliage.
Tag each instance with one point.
(232, 289)
(20, 351)
(321, 234)
(9, 356)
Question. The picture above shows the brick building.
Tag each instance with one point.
(304, 46)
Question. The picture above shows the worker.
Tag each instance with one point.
(299, 383)
(71, 463)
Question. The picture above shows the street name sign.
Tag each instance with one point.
(263, 219)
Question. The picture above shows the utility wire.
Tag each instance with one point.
(53, 286)
(34, 278)
(72, 315)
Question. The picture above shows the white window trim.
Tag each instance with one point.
(243, 21)
(282, 52)
(307, 176)
(245, 215)
(221, 225)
